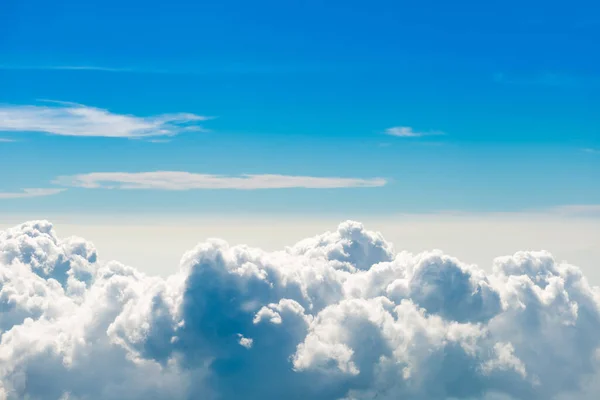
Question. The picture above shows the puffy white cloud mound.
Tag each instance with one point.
(337, 316)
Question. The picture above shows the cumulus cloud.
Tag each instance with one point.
(180, 180)
(407, 131)
(32, 192)
(341, 315)
(70, 119)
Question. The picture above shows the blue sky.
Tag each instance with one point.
(500, 102)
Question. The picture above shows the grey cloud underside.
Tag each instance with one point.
(338, 316)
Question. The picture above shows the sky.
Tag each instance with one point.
(405, 107)
(330, 200)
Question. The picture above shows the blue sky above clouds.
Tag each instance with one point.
(386, 106)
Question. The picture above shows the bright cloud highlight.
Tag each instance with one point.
(341, 315)
(70, 119)
(179, 180)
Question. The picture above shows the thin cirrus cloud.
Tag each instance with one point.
(227, 68)
(63, 68)
(71, 119)
(592, 151)
(179, 180)
(548, 79)
(407, 131)
(33, 192)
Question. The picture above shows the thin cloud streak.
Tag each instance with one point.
(179, 180)
(547, 79)
(591, 151)
(64, 68)
(407, 131)
(70, 119)
(32, 192)
(234, 68)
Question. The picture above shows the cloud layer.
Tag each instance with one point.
(180, 180)
(70, 119)
(341, 315)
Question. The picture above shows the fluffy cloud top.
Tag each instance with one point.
(338, 316)
(69, 119)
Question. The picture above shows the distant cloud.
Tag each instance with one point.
(550, 79)
(407, 131)
(70, 119)
(26, 193)
(591, 151)
(5, 140)
(159, 141)
(65, 68)
(227, 68)
(179, 180)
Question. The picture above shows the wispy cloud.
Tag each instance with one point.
(70, 119)
(34, 192)
(241, 68)
(550, 79)
(407, 131)
(64, 68)
(178, 180)
(159, 141)
(5, 140)
(591, 151)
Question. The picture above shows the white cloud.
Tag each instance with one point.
(69, 119)
(407, 131)
(5, 140)
(245, 342)
(337, 316)
(32, 192)
(178, 180)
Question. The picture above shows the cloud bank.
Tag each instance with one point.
(180, 180)
(341, 315)
(70, 119)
